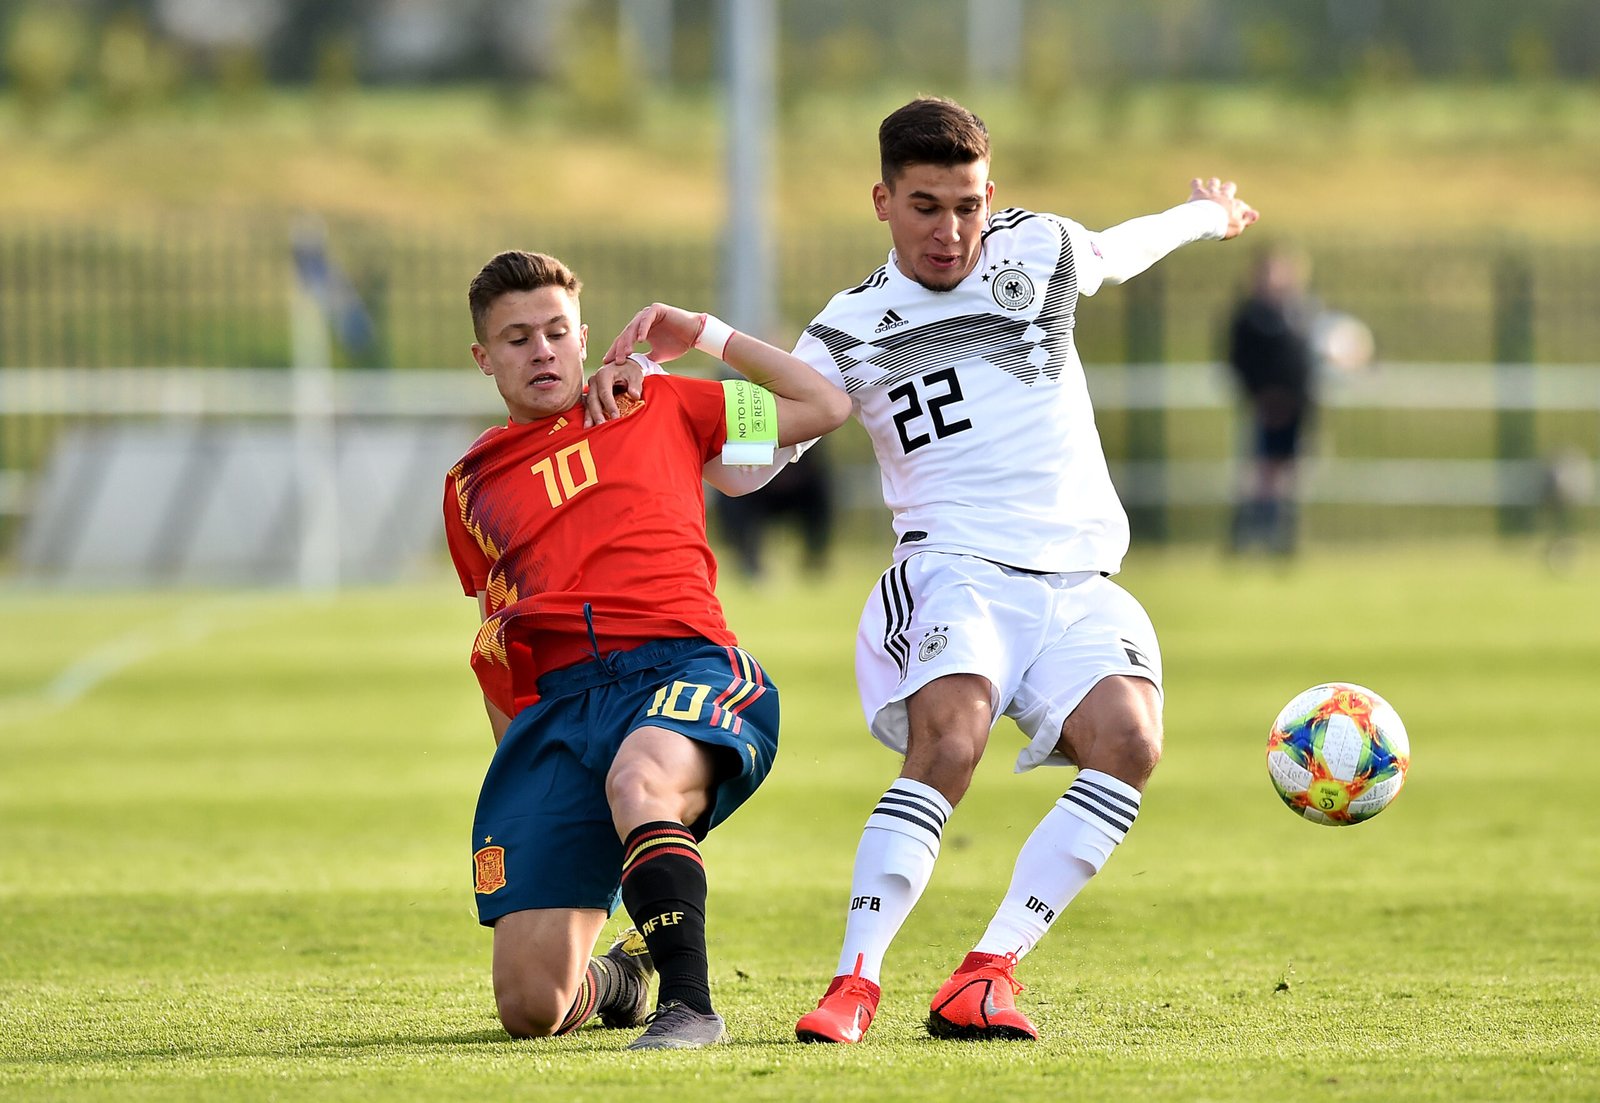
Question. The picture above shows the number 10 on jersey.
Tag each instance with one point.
(567, 472)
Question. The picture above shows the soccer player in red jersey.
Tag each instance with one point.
(627, 720)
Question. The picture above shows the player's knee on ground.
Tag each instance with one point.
(531, 1009)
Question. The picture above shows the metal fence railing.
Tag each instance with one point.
(1402, 450)
(94, 318)
(212, 291)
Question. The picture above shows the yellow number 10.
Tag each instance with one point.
(666, 702)
(557, 472)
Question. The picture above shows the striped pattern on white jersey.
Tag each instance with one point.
(976, 401)
(1006, 219)
(1023, 347)
(877, 279)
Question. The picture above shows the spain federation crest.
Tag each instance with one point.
(489, 866)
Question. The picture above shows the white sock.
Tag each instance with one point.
(893, 863)
(1069, 847)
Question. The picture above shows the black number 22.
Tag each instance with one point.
(936, 404)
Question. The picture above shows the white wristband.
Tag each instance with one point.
(714, 335)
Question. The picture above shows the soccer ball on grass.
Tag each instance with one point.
(1338, 754)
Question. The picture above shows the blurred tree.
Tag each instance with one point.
(43, 55)
(843, 58)
(645, 39)
(913, 44)
(1576, 37)
(1530, 56)
(133, 70)
(337, 75)
(1386, 65)
(534, 41)
(1047, 73)
(1116, 105)
(1272, 51)
(309, 31)
(240, 76)
(225, 43)
(604, 90)
(1184, 110)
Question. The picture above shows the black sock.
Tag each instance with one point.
(664, 887)
(614, 989)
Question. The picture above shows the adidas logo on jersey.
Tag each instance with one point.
(890, 320)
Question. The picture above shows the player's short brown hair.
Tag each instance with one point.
(515, 270)
(930, 130)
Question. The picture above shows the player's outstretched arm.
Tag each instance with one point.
(1221, 192)
(737, 480)
(807, 404)
(626, 376)
(1213, 211)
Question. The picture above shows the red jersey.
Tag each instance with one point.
(548, 516)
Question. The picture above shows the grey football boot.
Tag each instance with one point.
(676, 1025)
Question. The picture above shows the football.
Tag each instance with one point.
(1338, 754)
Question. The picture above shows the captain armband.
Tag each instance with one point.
(752, 416)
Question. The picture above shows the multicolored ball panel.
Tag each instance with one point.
(1338, 754)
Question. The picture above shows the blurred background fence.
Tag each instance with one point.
(213, 291)
(1484, 397)
(180, 176)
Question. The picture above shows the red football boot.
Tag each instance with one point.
(977, 1002)
(843, 1013)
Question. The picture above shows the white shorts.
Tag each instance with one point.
(1042, 640)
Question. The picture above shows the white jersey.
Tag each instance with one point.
(976, 402)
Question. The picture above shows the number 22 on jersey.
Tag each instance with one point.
(930, 396)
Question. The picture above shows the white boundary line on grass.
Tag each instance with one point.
(81, 677)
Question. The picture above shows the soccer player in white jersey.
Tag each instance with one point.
(959, 359)
(958, 355)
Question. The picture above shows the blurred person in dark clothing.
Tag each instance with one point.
(1271, 351)
(802, 494)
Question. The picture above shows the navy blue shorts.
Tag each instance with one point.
(542, 836)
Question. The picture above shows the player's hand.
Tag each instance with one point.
(612, 378)
(668, 331)
(1220, 192)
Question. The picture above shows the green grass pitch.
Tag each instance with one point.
(233, 857)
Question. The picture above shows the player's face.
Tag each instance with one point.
(936, 215)
(533, 348)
